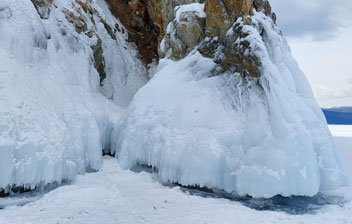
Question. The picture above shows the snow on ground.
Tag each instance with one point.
(115, 196)
(341, 130)
(343, 139)
(345, 146)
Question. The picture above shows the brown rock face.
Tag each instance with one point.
(147, 22)
(140, 26)
(190, 28)
(221, 14)
(161, 13)
(235, 50)
(183, 35)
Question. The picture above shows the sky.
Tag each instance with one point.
(319, 33)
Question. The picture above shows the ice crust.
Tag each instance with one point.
(248, 136)
(54, 121)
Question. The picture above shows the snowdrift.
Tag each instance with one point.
(248, 136)
(54, 120)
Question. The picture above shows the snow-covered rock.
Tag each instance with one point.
(54, 121)
(236, 114)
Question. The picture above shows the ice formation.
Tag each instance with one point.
(54, 120)
(66, 72)
(258, 136)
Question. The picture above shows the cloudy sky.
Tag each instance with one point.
(320, 35)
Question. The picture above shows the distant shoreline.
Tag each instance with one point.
(338, 116)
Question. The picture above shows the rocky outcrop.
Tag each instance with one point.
(221, 14)
(146, 23)
(163, 12)
(226, 41)
(184, 32)
(189, 28)
(216, 35)
(172, 28)
(140, 25)
(153, 23)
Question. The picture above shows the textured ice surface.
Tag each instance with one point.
(54, 120)
(260, 137)
(115, 196)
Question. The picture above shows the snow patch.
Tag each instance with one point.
(198, 8)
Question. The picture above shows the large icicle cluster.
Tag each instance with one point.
(244, 121)
(54, 122)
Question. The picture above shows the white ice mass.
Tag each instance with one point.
(54, 122)
(248, 136)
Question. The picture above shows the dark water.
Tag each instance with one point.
(295, 205)
(22, 196)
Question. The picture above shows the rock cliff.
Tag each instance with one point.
(157, 27)
(172, 28)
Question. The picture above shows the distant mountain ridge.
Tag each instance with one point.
(338, 115)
